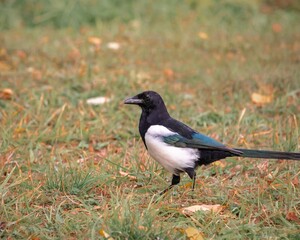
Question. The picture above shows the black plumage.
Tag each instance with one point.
(178, 147)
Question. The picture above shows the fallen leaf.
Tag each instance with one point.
(3, 53)
(74, 55)
(113, 45)
(105, 234)
(291, 216)
(295, 181)
(276, 27)
(82, 69)
(4, 66)
(168, 73)
(6, 94)
(21, 54)
(19, 130)
(192, 209)
(193, 234)
(125, 174)
(143, 228)
(34, 238)
(98, 100)
(260, 99)
(203, 35)
(172, 107)
(95, 41)
(35, 73)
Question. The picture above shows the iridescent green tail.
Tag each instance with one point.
(268, 154)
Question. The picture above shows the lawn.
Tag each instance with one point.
(71, 170)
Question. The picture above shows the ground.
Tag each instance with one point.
(71, 170)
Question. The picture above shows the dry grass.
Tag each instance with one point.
(70, 170)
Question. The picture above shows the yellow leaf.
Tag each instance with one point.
(95, 41)
(6, 93)
(220, 164)
(260, 99)
(4, 66)
(19, 130)
(203, 35)
(125, 174)
(105, 234)
(193, 234)
(192, 209)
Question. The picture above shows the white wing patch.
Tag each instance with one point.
(170, 157)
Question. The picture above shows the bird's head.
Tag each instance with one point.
(148, 100)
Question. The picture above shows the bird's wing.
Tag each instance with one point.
(186, 137)
(198, 140)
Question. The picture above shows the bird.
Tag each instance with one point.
(181, 149)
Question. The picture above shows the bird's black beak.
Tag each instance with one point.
(133, 100)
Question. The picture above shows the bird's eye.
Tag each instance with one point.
(147, 98)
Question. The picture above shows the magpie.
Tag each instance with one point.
(179, 148)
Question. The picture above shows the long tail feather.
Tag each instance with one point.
(268, 154)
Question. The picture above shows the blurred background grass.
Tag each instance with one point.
(77, 13)
(65, 164)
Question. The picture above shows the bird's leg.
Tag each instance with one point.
(192, 174)
(175, 181)
(194, 181)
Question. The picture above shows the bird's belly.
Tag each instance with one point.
(170, 157)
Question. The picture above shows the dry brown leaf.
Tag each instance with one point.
(6, 94)
(21, 54)
(34, 238)
(74, 55)
(82, 69)
(4, 66)
(295, 181)
(169, 73)
(260, 99)
(291, 216)
(95, 41)
(3, 53)
(276, 27)
(193, 234)
(35, 73)
(192, 209)
(203, 35)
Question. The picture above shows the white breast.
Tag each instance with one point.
(170, 157)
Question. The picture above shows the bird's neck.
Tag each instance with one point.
(152, 117)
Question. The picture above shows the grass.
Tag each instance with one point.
(73, 171)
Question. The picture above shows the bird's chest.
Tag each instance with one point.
(172, 158)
